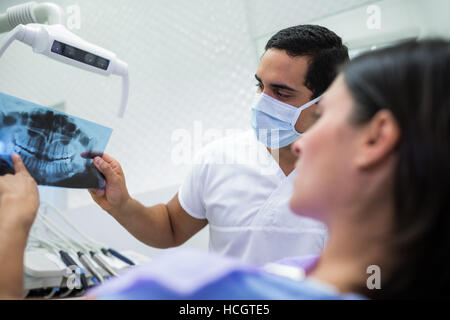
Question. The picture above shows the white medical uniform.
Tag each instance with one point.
(237, 185)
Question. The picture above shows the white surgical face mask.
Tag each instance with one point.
(274, 121)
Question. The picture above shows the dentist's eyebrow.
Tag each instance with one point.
(277, 85)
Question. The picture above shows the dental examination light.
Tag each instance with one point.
(58, 43)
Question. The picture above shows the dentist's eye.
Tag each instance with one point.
(260, 87)
(283, 96)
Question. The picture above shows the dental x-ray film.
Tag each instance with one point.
(55, 147)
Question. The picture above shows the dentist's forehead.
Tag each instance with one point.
(278, 67)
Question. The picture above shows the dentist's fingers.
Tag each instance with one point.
(108, 158)
(115, 165)
(93, 154)
(106, 169)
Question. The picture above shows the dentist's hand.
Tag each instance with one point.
(115, 196)
(19, 196)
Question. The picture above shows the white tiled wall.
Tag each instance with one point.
(188, 60)
(267, 17)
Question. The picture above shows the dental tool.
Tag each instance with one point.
(65, 258)
(68, 261)
(90, 266)
(84, 259)
(52, 247)
(95, 256)
(110, 252)
(107, 252)
(58, 43)
(120, 256)
(101, 262)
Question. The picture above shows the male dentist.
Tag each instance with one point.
(245, 199)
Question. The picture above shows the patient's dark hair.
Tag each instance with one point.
(412, 80)
(324, 47)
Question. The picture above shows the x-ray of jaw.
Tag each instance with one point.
(52, 144)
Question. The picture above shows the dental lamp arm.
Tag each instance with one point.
(17, 33)
(42, 39)
(125, 90)
(31, 12)
(58, 43)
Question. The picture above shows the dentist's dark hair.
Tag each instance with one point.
(412, 81)
(324, 48)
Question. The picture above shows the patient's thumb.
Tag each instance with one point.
(18, 164)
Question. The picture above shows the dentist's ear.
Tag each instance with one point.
(379, 139)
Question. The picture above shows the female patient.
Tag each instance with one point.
(374, 168)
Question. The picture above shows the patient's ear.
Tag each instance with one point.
(378, 140)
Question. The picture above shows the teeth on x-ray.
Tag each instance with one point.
(50, 144)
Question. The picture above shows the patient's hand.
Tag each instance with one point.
(19, 201)
(19, 196)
